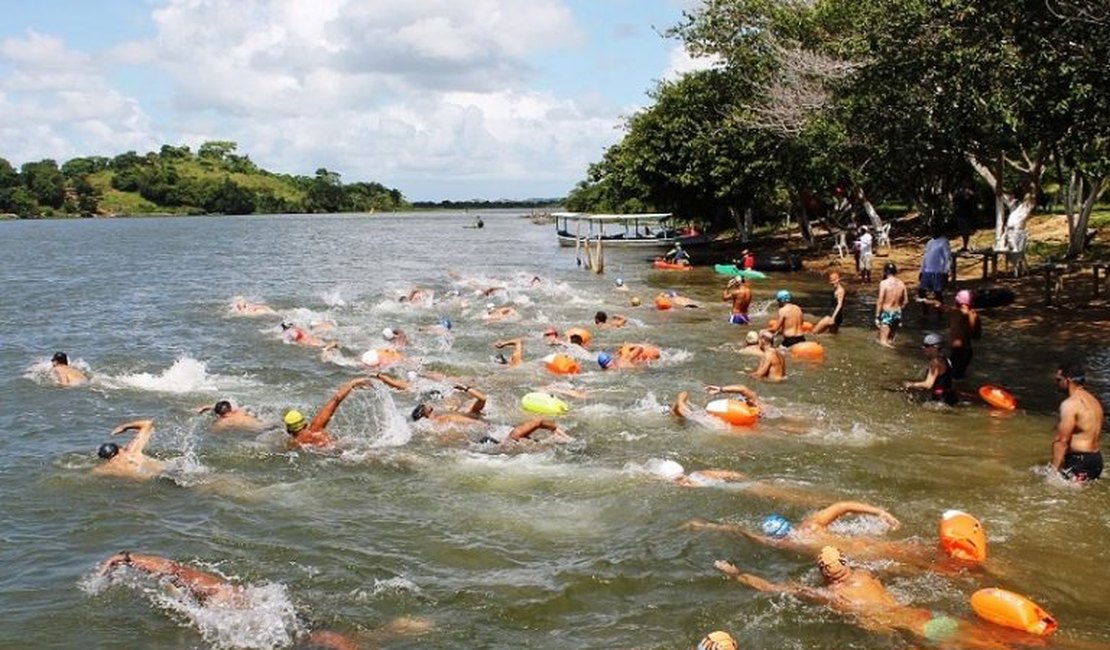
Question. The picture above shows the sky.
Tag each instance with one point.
(442, 99)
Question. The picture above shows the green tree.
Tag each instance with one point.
(45, 182)
(216, 150)
(325, 193)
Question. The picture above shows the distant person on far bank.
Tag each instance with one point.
(65, 374)
(865, 253)
(1076, 453)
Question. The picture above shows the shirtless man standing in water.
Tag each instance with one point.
(888, 307)
(1075, 451)
(790, 320)
(740, 295)
(130, 461)
(772, 366)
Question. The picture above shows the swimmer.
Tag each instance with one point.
(418, 295)
(888, 307)
(241, 307)
(831, 323)
(204, 587)
(129, 461)
(628, 356)
(396, 337)
(229, 418)
(601, 319)
(619, 285)
(674, 472)
(296, 335)
(790, 320)
(739, 293)
(859, 594)
(518, 351)
(677, 299)
(634, 301)
(772, 365)
(470, 415)
(525, 431)
(751, 344)
(494, 314)
(315, 433)
(938, 374)
(65, 374)
(683, 409)
(963, 326)
(1075, 450)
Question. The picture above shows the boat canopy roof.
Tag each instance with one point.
(583, 216)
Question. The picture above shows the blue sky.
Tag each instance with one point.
(439, 98)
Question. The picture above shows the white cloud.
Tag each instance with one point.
(680, 62)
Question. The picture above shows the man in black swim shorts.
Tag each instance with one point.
(1075, 451)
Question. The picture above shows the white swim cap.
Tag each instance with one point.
(370, 358)
(667, 469)
(388, 334)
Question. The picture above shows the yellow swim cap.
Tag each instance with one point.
(718, 641)
(635, 301)
(294, 421)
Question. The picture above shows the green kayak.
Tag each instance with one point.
(748, 274)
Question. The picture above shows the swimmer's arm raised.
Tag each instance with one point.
(138, 443)
(322, 418)
(206, 408)
(830, 514)
(392, 382)
(526, 429)
(1064, 431)
(737, 389)
(479, 399)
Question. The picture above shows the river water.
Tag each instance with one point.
(578, 547)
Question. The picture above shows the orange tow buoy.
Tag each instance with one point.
(1012, 610)
(562, 364)
(581, 332)
(962, 536)
(997, 397)
(808, 350)
(733, 411)
(663, 303)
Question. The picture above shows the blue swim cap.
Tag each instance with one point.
(620, 282)
(782, 296)
(604, 360)
(445, 322)
(776, 526)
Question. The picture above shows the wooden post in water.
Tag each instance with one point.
(599, 261)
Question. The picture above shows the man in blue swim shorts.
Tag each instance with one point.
(888, 307)
(740, 294)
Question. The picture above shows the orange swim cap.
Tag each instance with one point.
(962, 536)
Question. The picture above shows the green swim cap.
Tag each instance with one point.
(940, 627)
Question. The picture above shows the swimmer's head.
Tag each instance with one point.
(604, 360)
(962, 536)
(285, 326)
(108, 450)
(834, 277)
(667, 469)
(620, 282)
(222, 407)
(601, 317)
(776, 526)
(490, 306)
(60, 359)
(635, 301)
(500, 358)
(1071, 371)
(832, 564)
(421, 411)
(783, 296)
(294, 421)
(889, 269)
(445, 323)
(963, 297)
(752, 337)
(551, 331)
(388, 334)
(932, 340)
(576, 339)
(718, 641)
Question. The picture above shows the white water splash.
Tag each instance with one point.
(333, 299)
(186, 375)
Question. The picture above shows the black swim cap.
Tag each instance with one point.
(576, 339)
(601, 317)
(60, 357)
(222, 407)
(285, 326)
(890, 269)
(500, 358)
(418, 412)
(108, 450)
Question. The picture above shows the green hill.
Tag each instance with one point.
(176, 180)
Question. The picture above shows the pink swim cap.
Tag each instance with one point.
(963, 297)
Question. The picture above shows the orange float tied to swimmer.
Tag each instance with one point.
(962, 536)
(1011, 610)
(733, 411)
(582, 333)
(807, 327)
(562, 364)
(663, 303)
(808, 350)
(997, 397)
(381, 357)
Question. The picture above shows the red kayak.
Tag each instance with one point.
(670, 266)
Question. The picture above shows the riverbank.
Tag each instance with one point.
(1075, 315)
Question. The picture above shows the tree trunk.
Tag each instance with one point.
(1089, 191)
(747, 224)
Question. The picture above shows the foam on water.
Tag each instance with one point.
(859, 526)
(186, 375)
(333, 299)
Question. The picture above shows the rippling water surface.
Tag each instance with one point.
(579, 547)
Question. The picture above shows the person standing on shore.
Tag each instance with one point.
(1076, 453)
(888, 307)
(936, 263)
(864, 254)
